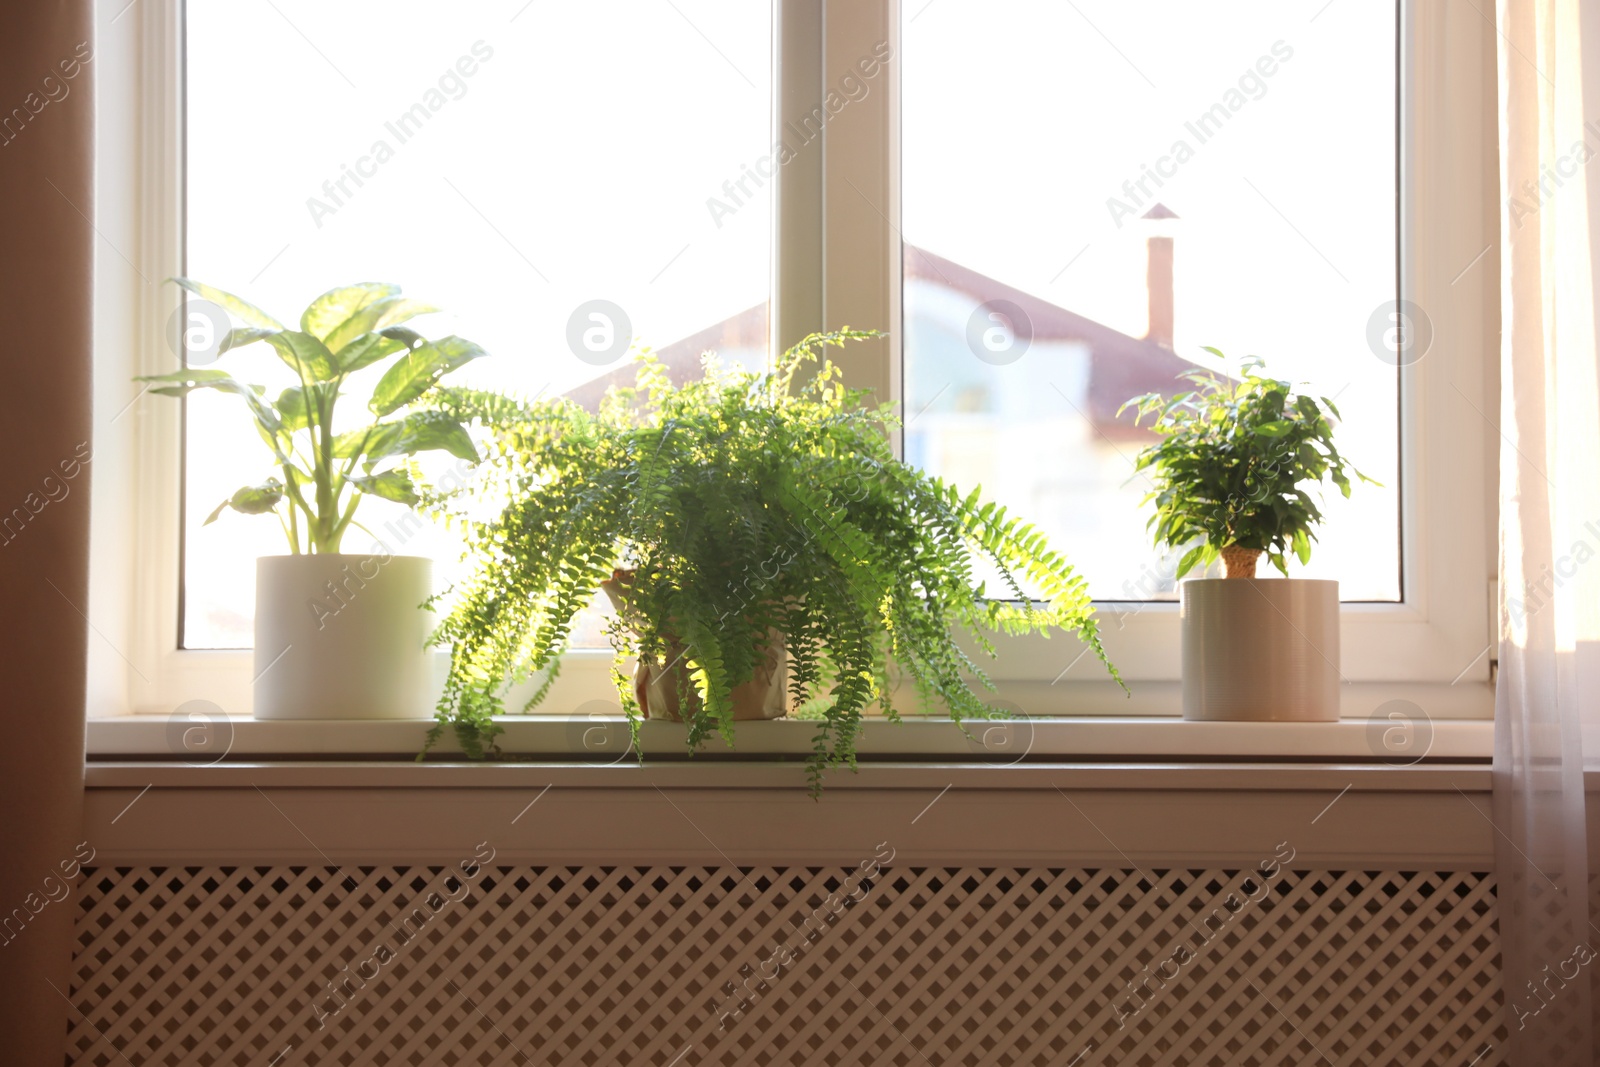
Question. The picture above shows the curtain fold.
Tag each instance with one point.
(1547, 701)
(46, 261)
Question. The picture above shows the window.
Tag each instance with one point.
(1112, 242)
(943, 154)
(483, 159)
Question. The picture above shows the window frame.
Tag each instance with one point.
(837, 261)
(1437, 641)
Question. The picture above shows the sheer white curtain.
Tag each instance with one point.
(1549, 690)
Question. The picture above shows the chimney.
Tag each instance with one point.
(1158, 279)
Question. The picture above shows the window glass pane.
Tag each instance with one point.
(524, 166)
(1134, 182)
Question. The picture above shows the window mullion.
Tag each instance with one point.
(836, 199)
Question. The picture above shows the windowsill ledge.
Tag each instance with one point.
(591, 741)
(1118, 813)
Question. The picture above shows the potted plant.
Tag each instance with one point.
(1230, 475)
(338, 636)
(764, 547)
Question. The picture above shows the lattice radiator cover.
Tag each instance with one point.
(923, 966)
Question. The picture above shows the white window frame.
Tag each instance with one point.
(837, 255)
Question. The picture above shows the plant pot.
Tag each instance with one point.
(658, 688)
(342, 637)
(763, 697)
(1260, 649)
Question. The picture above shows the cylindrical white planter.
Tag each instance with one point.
(1260, 649)
(342, 637)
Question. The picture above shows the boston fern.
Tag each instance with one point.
(738, 506)
(1230, 467)
(343, 331)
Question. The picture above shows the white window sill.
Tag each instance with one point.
(1087, 791)
(1119, 813)
(594, 741)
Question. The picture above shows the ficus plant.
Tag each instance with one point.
(1233, 465)
(323, 473)
(737, 506)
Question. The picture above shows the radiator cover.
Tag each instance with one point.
(915, 966)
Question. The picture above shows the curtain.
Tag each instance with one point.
(1548, 697)
(46, 260)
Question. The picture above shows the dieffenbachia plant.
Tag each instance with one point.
(324, 473)
(1231, 465)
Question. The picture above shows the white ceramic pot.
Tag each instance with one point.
(1260, 649)
(343, 637)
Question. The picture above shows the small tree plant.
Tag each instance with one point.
(343, 331)
(1233, 465)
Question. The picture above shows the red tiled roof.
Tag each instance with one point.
(747, 329)
(1120, 366)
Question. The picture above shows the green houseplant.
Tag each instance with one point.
(341, 332)
(1230, 475)
(727, 516)
(344, 635)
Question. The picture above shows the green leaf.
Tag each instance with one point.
(292, 409)
(390, 485)
(416, 372)
(375, 441)
(1190, 558)
(186, 381)
(240, 336)
(242, 309)
(390, 311)
(334, 308)
(308, 356)
(428, 430)
(366, 350)
(196, 375)
(1277, 428)
(257, 499)
(250, 500)
(292, 404)
(1302, 546)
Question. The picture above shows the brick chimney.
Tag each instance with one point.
(1158, 280)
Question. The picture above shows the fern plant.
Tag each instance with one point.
(1231, 466)
(740, 505)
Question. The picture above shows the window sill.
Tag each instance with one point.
(1225, 814)
(1089, 791)
(596, 741)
